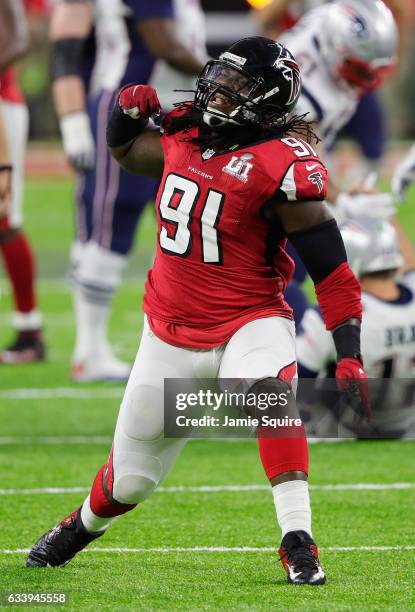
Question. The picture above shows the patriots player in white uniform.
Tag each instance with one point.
(345, 49)
(376, 249)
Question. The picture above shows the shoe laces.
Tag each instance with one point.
(301, 555)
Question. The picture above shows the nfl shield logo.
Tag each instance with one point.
(208, 153)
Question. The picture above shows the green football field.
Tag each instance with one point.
(207, 539)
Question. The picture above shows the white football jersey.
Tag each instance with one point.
(388, 349)
(113, 44)
(326, 100)
(191, 30)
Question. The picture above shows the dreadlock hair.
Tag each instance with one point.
(191, 117)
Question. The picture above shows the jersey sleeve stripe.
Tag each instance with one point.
(288, 185)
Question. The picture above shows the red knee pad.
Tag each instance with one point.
(101, 501)
(279, 455)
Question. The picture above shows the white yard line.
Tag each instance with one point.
(62, 392)
(91, 440)
(393, 486)
(221, 549)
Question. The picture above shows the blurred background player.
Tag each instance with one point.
(277, 16)
(17, 255)
(383, 258)
(345, 49)
(128, 39)
(170, 82)
(367, 125)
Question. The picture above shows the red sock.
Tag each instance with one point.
(286, 454)
(99, 500)
(20, 267)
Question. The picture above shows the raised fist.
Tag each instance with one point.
(351, 380)
(139, 101)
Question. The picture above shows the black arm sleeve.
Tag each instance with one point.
(321, 249)
(67, 56)
(347, 339)
(121, 128)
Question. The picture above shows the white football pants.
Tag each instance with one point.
(16, 119)
(142, 457)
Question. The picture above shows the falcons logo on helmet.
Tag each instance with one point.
(291, 72)
(317, 180)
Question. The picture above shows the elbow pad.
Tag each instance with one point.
(67, 55)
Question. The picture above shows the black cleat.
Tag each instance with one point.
(299, 557)
(57, 547)
(28, 347)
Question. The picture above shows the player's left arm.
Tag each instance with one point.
(314, 233)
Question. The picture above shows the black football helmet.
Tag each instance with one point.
(255, 82)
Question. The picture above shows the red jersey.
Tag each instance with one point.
(220, 262)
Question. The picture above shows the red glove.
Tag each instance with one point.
(352, 380)
(139, 101)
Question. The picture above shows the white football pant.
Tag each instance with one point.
(16, 120)
(142, 457)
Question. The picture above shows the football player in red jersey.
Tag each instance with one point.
(15, 248)
(236, 181)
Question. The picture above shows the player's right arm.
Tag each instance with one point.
(159, 34)
(131, 138)
(70, 25)
(406, 247)
(404, 174)
(267, 16)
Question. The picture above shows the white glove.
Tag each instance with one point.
(377, 205)
(404, 175)
(78, 142)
